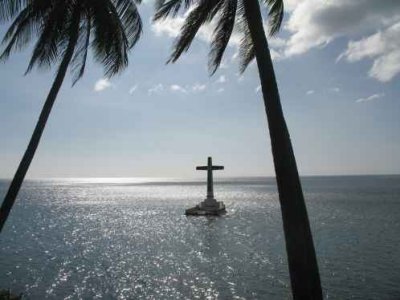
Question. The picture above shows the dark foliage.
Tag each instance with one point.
(230, 17)
(109, 27)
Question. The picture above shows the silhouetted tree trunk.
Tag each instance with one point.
(40, 125)
(303, 267)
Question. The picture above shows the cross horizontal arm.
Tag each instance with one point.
(217, 167)
(202, 168)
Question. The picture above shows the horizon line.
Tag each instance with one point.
(199, 177)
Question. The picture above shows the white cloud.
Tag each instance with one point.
(221, 79)
(133, 89)
(168, 26)
(102, 84)
(197, 87)
(177, 88)
(335, 89)
(156, 89)
(316, 23)
(370, 98)
(257, 89)
(275, 42)
(291, 4)
(220, 90)
(383, 47)
(310, 92)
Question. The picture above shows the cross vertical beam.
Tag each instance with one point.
(210, 181)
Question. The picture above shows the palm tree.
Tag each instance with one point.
(66, 29)
(246, 14)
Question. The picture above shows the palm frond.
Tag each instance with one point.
(52, 36)
(246, 53)
(165, 8)
(10, 8)
(222, 34)
(109, 27)
(110, 43)
(80, 56)
(246, 48)
(25, 26)
(275, 15)
(197, 17)
(19, 33)
(131, 22)
(215, 10)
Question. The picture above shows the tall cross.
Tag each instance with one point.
(210, 168)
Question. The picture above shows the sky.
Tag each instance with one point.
(338, 67)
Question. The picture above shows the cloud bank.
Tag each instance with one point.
(316, 23)
(371, 26)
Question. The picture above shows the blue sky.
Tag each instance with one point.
(337, 65)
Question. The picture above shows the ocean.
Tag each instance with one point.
(129, 239)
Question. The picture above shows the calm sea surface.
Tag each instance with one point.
(129, 239)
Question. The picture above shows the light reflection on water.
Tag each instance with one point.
(104, 239)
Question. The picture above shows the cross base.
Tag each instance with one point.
(209, 206)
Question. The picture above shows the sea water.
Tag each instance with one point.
(129, 239)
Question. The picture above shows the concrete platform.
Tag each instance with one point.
(198, 211)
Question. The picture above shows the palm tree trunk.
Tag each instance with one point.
(303, 267)
(23, 167)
